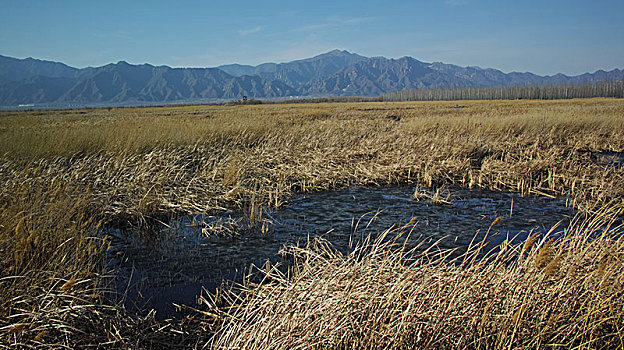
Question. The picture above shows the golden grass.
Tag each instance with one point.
(193, 159)
(561, 293)
(64, 173)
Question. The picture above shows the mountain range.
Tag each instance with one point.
(336, 73)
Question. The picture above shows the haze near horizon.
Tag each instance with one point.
(570, 37)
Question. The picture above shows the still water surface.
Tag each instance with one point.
(172, 269)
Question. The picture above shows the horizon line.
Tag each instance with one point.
(303, 59)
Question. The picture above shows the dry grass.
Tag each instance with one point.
(65, 173)
(194, 159)
(554, 293)
(51, 283)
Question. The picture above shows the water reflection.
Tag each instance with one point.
(173, 268)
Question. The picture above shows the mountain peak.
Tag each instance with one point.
(336, 72)
(338, 52)
(334, 55)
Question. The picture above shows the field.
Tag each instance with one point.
(65, 174)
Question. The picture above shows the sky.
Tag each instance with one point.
(539, 36)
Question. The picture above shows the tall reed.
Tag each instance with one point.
(559, 291)
(63, 174)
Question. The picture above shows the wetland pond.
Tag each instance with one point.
(175, 264)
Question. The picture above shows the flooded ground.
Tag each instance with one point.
(174, 264)
(606, 159)
(615, 159)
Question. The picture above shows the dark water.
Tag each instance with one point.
(173, 266)
(615, 159)
(606, 159)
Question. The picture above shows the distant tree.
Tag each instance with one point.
(531, 92)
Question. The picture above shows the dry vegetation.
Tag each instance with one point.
(65, 173)
(540, 294)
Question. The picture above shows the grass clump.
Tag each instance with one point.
(154, 161)
(64, 174)
(563, 292)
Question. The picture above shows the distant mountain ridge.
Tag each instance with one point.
(298, 73)
(121, 83)
(13, 69)
(335, 73)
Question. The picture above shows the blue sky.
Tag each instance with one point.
(544, 37)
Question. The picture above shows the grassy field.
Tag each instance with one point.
(64, 174)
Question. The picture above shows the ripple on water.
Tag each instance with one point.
(173, 268)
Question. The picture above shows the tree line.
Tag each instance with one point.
(531, 92)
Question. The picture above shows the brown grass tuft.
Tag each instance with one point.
(68, 285)
(383, 296)
(64, 173)
(496, 221)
